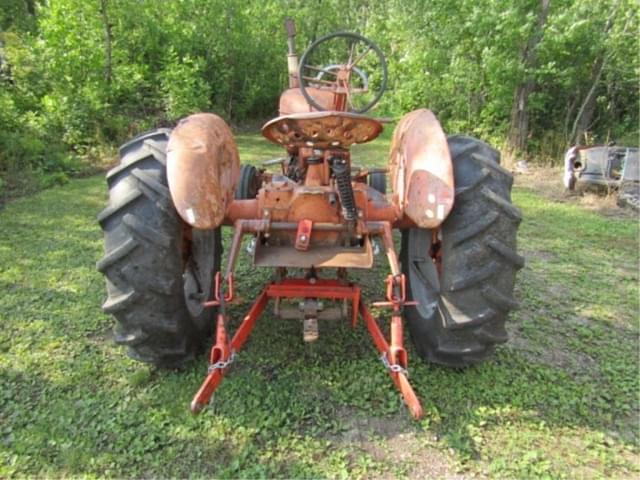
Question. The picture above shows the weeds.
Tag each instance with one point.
(559, 400)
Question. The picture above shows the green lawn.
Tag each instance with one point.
(559, 400)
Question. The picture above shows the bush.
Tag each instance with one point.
(184, 89)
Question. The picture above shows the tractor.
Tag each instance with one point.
(312, 216)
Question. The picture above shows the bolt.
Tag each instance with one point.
(303, 238)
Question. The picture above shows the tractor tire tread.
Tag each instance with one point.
(474, 229)
(473, 279)
(499, 299)
(485, 316)
(504, 250)
(119, 302)
(130, 338)
(151, 146)
(116, 254)
(159, 152)
(494, 334)
(461, 192)
(144, 285)
(479, 263)
(145, 232)
(506, 206)
(132, 158)
(118, 205)
(487, 162)
(161, 134)
(147, 180)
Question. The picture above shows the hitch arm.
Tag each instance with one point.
(223, 353)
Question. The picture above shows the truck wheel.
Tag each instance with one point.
(158, 269)
(463, 276)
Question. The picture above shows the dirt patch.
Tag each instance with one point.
(547, 182)
(395, 441)
(549, 346)
(556, 353)
(542, 255)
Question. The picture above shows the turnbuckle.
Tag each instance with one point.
(396, 293)
(396, 288)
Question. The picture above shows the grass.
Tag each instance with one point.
(559, 400)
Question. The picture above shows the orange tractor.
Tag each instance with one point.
(318, 216)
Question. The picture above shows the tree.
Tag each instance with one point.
(585, 112)
(519, 127)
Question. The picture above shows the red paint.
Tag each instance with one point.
(223, 349)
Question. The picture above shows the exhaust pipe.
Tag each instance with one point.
(292, 56)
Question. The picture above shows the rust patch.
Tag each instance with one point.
(420, 168)
(202, 169)
(321, 130)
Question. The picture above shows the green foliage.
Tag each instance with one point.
(74, 75)
(18, 13)
(184, 89)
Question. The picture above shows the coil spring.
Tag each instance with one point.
(342, 174)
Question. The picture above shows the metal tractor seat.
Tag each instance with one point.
(321, 130)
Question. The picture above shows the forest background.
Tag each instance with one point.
(532, 77)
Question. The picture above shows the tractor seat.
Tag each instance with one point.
(330, 129)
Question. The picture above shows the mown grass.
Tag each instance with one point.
(560, 400)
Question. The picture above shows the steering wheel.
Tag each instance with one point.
(333, 70)
(345, 64)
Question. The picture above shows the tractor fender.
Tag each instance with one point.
(202, 169)
(420, 170)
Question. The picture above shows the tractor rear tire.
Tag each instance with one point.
(249, 183)
(463, 305)
(378, 181)
(158, 270)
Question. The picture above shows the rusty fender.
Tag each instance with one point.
(202, 169)
(420, 170)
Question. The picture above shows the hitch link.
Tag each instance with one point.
(392, 353)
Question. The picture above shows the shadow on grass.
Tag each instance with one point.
(71, 404)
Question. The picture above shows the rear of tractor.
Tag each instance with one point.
(316, 215)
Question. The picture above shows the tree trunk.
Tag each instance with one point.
(585, 113)
(571, 106)
(519, 127)
(30, 5)
(587, 108)
(108, 73)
